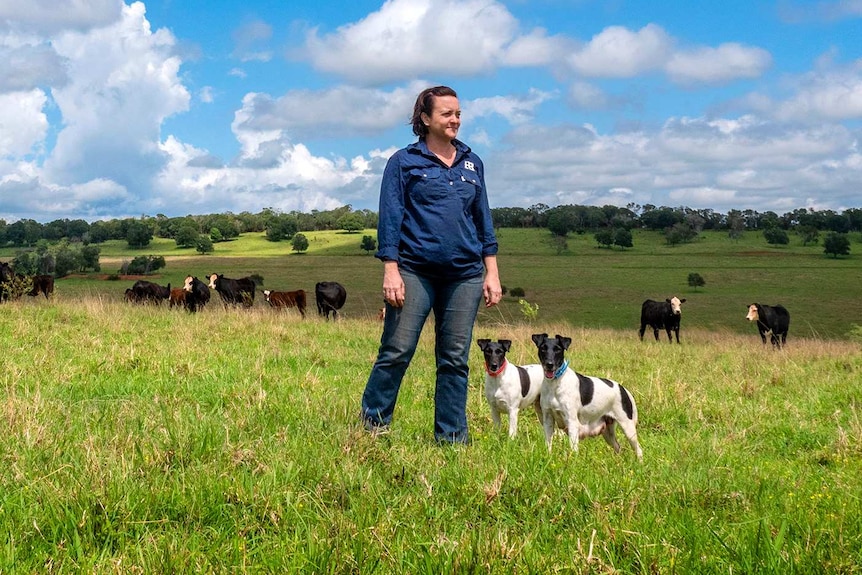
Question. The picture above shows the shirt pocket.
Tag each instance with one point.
(427, 185)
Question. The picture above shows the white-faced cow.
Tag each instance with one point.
(662, 315)
(771, 319)
(330, 297)
(285, 299)
(233, 291)
(197, 294)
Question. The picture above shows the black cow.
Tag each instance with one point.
(197, 294)
(330, 297)
(149, 292)
(771, 319)
(662, 315)
(42, 284)
(7, 276)
(233, 291)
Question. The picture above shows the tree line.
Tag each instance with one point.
(610, 223)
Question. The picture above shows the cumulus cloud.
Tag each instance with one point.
(29, 65)
(250, 40)
(730, 61)
(408, 39)
(535, 49)
(341, 111)
(46, 17)
(701, 163)
(617, 52)
(516, 109)
(23, 124)
(123, 83)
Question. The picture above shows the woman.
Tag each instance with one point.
(438, 247)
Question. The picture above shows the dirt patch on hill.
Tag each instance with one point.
(113, 277)
(757, 253)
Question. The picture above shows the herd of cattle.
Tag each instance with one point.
(772, 321)
(195, 294)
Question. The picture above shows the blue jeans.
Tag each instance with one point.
(455, 304)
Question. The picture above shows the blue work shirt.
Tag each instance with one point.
(435, 220)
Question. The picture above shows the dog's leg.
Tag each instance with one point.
(513, 422)
(610, 435)
(573, 427)
(548, 424)
(537, 406)
(631, 434)
(495, 414)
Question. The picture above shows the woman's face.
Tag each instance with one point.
(445, 118)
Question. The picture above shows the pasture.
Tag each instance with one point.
(138, 440)
(583, 286)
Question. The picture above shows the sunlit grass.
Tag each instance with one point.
(142, 440)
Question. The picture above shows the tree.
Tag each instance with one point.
(695, 280)
(186, 236)
(138, 234)
(809, 234)
(623, 238)
(299, 243)
(605, 237)
(351, 222)
(836, 244)
(369, 244)
(776, 236)
(204, 244)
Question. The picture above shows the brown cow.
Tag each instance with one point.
(42, 284)
(286, 299)
(177, 297)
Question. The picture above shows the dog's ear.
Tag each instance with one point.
(538, 338)
(506, 343)
(564, 341)
(482, 343)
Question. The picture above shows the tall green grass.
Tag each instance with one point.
(138, 440)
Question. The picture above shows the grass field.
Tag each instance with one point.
(136, 440)
(583, 286)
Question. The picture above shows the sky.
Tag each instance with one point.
(112, 109)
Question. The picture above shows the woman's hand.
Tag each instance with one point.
(393, 285)
(491, 288)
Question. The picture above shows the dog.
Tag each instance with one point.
(508, 387)
(581, 405)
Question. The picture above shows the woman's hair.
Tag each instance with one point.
(425, 104)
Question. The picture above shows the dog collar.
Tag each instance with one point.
(499, 371)
(561, 370)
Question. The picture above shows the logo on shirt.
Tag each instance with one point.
(469, 166)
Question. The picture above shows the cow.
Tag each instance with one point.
(7, 277)
(42, 284)
(130, 296)
(177, 297)
(197, 294)
(233, 291)
(662, 315)
(330, 297)
(280, 299)
(771, 319)
(149, 292)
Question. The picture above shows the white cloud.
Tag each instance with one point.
(587, 96)
(30, 64)
(535, 49)
(340, 111)
(123, 83)
(617, 52)
(730, 61)
(49, 16)
(23, 124)
(414, 38)
(515, 109)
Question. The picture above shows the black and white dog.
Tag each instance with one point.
(508, 387)
(581, 405)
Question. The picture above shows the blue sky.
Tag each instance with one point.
(112, 109)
